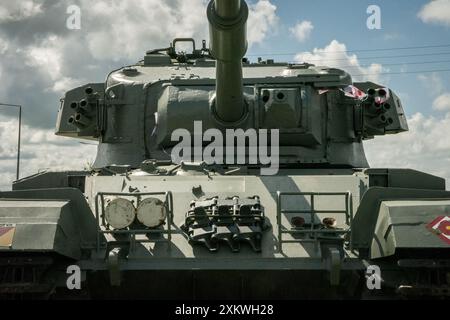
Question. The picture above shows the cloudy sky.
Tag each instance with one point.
(41, 58)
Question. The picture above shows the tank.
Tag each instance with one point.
(217, 177)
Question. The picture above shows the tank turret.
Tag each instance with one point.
(228, 44)
(320, 116)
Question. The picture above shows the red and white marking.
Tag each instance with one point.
(354, 92)
(441, 227)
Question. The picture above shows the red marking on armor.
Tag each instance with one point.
(4, 230)
(441, 227)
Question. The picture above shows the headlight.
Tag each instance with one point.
(151, 212)
(120, 213)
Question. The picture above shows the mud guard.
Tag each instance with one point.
(398, 218)
(47, 220)
(409, 224)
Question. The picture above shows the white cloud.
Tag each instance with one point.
(47, 56)
(19, 10)
(436, 11)
(3, 46)
(262, 19)
(433, 83)
(335, 55)
(442, 103)
(302, 30)
(64, 84)
(40, 150)
(126, 29)
(424, 147)
(437, 91)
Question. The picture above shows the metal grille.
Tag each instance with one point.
(312, 231)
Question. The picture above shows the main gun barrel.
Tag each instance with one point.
(228, 45)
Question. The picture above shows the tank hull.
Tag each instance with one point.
(167, 262)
